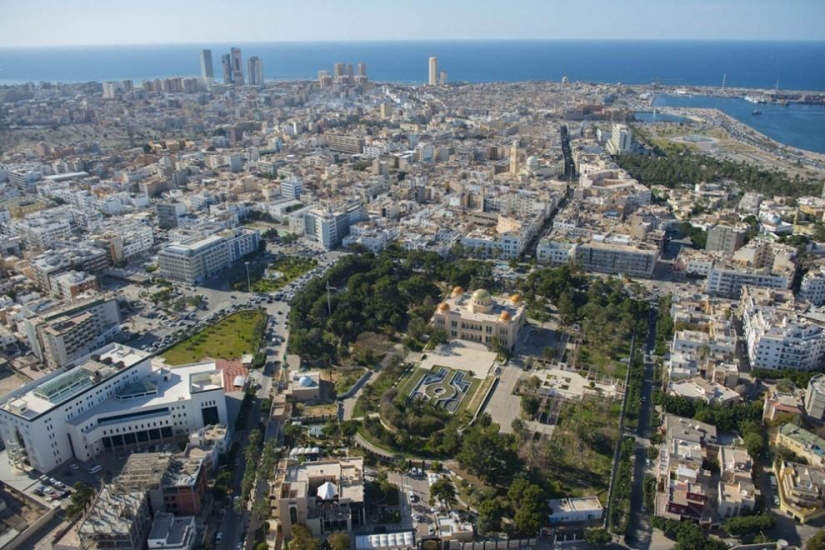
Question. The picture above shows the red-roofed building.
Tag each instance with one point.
(233, 372)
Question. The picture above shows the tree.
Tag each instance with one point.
(597, 536)
(443, 492)
(530, 504)
(488, 454)
(749, 525)
(490, 513)
(82, 497)
(816, 542)
(339, 541)
(302, 539)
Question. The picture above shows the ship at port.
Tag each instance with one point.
(753, 99)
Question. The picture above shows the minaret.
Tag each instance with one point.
(514, 159)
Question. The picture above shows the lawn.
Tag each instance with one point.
(229, 338)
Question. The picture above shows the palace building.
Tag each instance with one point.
(480, 317)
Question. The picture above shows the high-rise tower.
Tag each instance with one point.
(433, 71)
(255, 71)
(237, 66)
(514, 167)
(226, 65)
(207, 69)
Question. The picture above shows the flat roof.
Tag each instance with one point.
(110, 361)
(171, 385)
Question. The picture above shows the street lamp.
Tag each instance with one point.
(248, 283)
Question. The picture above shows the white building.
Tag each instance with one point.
(812, 288)
(778, 337)
(481, 317)
(620, 139)
(575, 510)
(111, 400)
(292, 188)
(815, 397)
(195, 261)
(172, 533)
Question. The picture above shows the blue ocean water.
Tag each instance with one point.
(795, 125)
(797, 65)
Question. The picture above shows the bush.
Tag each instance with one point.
(749, 525)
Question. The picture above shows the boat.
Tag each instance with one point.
(753, 99)
(756, 112)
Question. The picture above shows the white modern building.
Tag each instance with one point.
(620, 139)
(292, 188)
(815, 397)
(195, 261)
(812, 288)
(111, 399)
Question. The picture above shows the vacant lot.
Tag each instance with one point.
(230, 338)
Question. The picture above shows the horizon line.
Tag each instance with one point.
(421, 41)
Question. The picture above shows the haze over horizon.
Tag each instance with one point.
(93, 22)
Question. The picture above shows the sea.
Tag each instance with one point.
(791, 65)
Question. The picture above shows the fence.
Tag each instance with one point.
(509, 544)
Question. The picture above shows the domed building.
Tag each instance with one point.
(480, 317)
(305, 385)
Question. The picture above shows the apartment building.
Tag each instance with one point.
(111, 399)
(802, 442)
(480, 317)
(728, 280)
(682, 485)
(61, 335)
(329, 227)
(176, 483)
(325, 495)
(777, 336)
(617, 255)
(351, 145)
(725, 238)
(72, 284)
(782, 406)
(815, 397)
(116, 519)
(812, 287)
(736, 492)
(801, 490)
(54, 262)
(699, 389)
(41, 233)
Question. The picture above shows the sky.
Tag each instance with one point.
(110, 22)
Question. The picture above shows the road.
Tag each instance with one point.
(502, 406)
(639, 528)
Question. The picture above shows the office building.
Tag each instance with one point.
(362, 69)
(330, 227)
(237, 66)
(433, 81)
(195, 261)
(255, 71)
(480, 317)
(442, 78)
(620, 140)
(226, 66)
(815, 397)
(339, 70)
(207, 69)
(169, 214)
(323, 495)
(111, 400)
(292, 188)
(725, 238)
(351, 145)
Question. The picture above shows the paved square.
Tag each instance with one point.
(459, 355)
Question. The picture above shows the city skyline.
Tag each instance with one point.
(41, 22)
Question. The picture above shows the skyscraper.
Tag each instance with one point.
(433, 71)
(339, 69)
(255, 71)
(514, 167)
(237, 66)
(226, 64)
(207, 70)
(362, 69)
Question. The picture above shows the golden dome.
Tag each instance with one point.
(457, 291)
(505, 316)
(515, 298)
(443, 306)
(482, 297)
